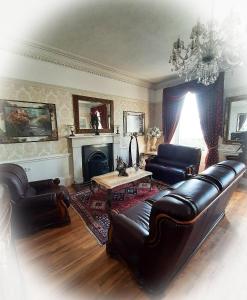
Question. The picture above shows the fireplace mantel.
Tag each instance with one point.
(80, 140)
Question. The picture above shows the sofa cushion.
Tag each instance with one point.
(167, 174)
(159, 195)
(236, 166)
(140, 214)
(165, 192)
(175, 206)
(172, 163)
(220, 176)
(201, 193)
(179, 153)
(176, 185)
(188, 200)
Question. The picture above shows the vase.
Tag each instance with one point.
(154, 141)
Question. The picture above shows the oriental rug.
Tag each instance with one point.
(92, 208)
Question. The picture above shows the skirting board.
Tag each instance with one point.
(44, 167)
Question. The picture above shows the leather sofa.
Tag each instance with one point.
(158, 236)
(174, 163)
(36, 205)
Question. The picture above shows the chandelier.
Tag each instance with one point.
(206, 55)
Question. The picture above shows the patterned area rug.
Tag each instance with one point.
(92, 206)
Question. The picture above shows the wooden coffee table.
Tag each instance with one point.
(111, 181)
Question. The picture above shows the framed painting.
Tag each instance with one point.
(22, 121)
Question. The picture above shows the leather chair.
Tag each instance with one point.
(156, 238)
(36, 205)
(174, 163)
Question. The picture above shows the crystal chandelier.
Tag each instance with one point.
(207, 54)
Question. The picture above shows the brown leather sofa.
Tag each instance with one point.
(174, 163)
(158, 236)
(36, 205)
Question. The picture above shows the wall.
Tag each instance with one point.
(21, 67)
(45, 159)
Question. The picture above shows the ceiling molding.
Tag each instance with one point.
(169, 81)
(56, 56)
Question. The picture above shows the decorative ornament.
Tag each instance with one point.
(95, 123)
(121, 167)
(154, 133)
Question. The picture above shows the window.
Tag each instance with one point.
(188, 132)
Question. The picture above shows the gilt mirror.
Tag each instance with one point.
(133, 122)
(235, 118)
(87, 107)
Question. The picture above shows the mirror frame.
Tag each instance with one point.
(227, 114)
(76, 99)
(125, 121)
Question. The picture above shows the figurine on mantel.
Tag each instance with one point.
(95, 123)
(121, 167)
(72, 129)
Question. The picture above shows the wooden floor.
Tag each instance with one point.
(68, 263)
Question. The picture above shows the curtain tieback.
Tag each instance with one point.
(214, 147)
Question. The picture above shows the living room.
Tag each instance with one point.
(117, 52)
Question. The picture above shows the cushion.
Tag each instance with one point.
(179, 153)
(236, 166)
(171, 163)
(220, 176)
(200, 192)
(167, 174)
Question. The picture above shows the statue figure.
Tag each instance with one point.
(95, 123)
(121, 167)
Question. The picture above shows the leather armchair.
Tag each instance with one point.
(36, 205)
(156, 238)
(174, 163)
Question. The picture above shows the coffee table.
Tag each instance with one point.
(111, 181)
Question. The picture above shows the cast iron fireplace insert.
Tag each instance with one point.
(96, 160)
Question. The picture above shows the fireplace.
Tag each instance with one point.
(79, 141)
(96, 160)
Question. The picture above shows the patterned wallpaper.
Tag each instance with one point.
(37, 92)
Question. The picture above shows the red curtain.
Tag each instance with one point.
(102, 109)
(172, 107)
(210, 105)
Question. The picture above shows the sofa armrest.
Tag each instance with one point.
(150, 159)
(43, 184)
(39, 201)
(128, 230)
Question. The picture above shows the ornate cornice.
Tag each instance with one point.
(168, 81)
(53, 55)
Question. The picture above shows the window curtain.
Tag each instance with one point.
(210, 106)
(172, 106)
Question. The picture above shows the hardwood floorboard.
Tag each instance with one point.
(68, 263)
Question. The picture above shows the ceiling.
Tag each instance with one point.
(134, 37)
